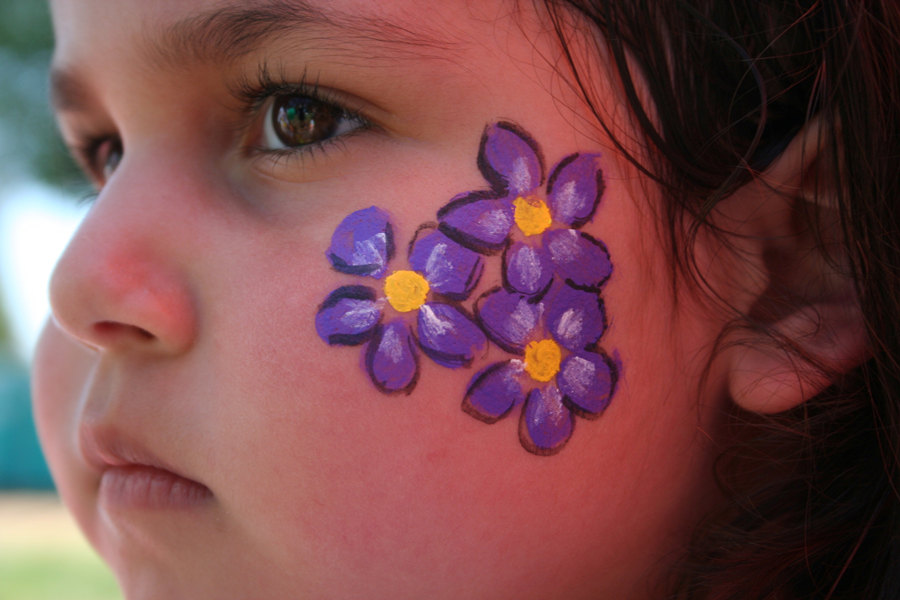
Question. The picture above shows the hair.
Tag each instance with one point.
(732, 82)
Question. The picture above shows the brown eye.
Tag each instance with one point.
(301, 120)
(109, 157)
(102, 158)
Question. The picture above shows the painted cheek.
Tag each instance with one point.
(542, 360)
(547, 311)
(406, 290)
(532, 215)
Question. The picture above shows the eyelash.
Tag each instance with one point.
(87, 155)
(253, 96)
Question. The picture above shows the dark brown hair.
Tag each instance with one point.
(732, 82)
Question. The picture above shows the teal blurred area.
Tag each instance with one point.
(22, 466)
(31, 154)
(43, 556)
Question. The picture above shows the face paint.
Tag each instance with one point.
(547, 312)
(406, 290)
(532, 215)
(362, 244)
(562, 374)
(542, 360)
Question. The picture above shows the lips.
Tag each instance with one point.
(131, 477)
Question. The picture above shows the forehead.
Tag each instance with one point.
(198, 27)
(114, 41)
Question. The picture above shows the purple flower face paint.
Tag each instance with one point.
(363, 243)
(547, 313)
(442, 273)
(561, 373)
(535, 227)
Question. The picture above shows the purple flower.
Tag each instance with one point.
(534, 224)
(561, 373)
(363, 243)
(442, 272)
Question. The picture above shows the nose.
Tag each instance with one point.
(123, 282)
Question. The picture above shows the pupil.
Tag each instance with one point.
(299, 120)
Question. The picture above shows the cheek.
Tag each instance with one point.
(325, 469)
(60, 370)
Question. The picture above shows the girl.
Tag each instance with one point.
(480, 300)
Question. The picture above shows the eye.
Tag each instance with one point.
(297, 120)
(99, 157)
(107, 157)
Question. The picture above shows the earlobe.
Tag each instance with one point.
(804, 329)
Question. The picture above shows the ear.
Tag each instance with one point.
(805, 328)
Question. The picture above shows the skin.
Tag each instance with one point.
(183, 316)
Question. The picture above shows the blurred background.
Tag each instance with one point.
(42, 555)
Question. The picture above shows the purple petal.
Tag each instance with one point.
(526, 269)
(587, 380)
(546, 424)
(391, 358)
(348, 316)
(575, 188)
(510, 159)
(448, 336)
(363, 243)
(575, 318)
(477, 221)
(578, 258)
(510, 320)
(494, 391)
(450, 269)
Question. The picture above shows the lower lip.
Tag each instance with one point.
(138, 486)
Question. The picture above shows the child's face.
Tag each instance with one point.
(186, 308)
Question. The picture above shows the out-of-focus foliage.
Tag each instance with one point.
(25, 26)
(4, 326)
(29, 149)
(29, 144)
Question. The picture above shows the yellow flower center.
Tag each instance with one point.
(532, 215)
(405, 290)
(542, 359)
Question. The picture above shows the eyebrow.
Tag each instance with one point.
(228, 33)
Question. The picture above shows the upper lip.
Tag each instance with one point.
(106, 448)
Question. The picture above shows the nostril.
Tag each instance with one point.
(110, 329)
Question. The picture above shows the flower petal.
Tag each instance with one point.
(448, 336)
(526, 269)
(575, 188)
(348, 316)
(510, 320)
(575, 318)
(578, 258)
(477, 221)
(510, 159)
(363, 243)
(391, 358)
(587, 380)
(449, 268)
(494, 391)
(546, 424)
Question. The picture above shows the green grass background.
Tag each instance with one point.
(43, 556)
